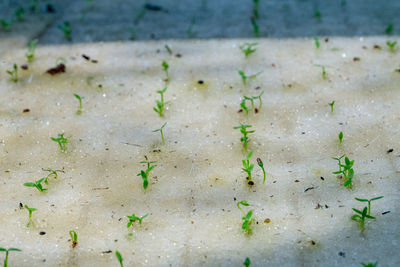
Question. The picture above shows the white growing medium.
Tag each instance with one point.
(193, 219)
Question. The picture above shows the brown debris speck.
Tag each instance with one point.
(58, 69)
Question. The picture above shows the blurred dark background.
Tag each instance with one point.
(77, 21)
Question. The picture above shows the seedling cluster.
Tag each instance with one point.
(247, 217)
(145, 174)
(133, 218)
(248, 167)
(37, 184)
(251, 99)
(346, 170)
(62, 141)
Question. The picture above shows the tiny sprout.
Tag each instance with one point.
(119, 258)
(5, 24)
(13, 73)
(189, 30)
(134, 218)
(361, 219)
(369, 202)
(248, 48)
(247, 220)
(37, 184)
(340, 137)
(160, 104)
(369, 264)
(145, 174)
(52, 172)
(244, 77)
(165, 67)
(30, 210)
(323, 73)
(244, 107)
(62, 141)
(347, 171)
(168, 49)
(247, 262)
(331, 105)
(317, 14)
(391, 45)
(247, 167)
(161, 131)
(243, 130)
(389, 29)
(7, 251)
(317, 44)
(30, 55)
(19, 13)
(66, 29)
(79, 111)
(74, 238)
(256, 32)
(261, 164)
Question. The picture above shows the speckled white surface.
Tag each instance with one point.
(193, 219)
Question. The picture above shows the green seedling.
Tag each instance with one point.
(255, 9)
(145, 174)
(30, 55)
(13, 73)
(79, 111)
(256, 32)
(244, 107)
(317, 44)
(317, 14)
(331, 105)
(323, 73)
(30, 210)
(62, 141)
(189, 30)
(66, 29)
(7, 251)
(247, 220)
(361, 216)
(160, 104)
(161, 132)
(346, 170)
(369, 202)
(247, 262)
(340, 137)
(37, 184)
(391, 45)
(52, 173)
(5, 25)
(168, 49)
(74, 238)
(165, 67)
(369, 264)
(119, 258)
(19, 13)
(261, 165)
(248, 48)
(389, 29)
(134, 218)
(245, 78)
(34, 5)
(247, 167)
(243, 130)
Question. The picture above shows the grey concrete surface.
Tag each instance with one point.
(117, 20)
